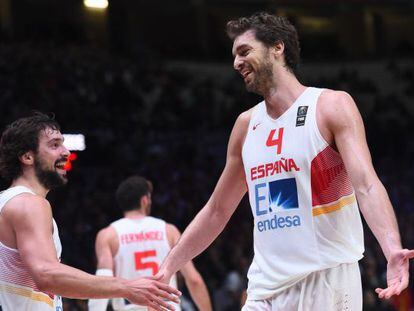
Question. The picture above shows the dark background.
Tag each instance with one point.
(151, 86)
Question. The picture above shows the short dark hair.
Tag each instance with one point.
(20, 137)
(269, 29)
(130, 191)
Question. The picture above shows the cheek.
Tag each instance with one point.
(49, 158)
(254, 63)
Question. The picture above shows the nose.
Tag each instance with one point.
(237, 63)
(65, 151)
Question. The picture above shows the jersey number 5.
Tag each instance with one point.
(141, 265)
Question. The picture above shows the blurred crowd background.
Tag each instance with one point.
(160, 101)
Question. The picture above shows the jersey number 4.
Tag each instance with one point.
(275, 141)
(141, 265)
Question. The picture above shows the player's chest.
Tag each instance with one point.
(267, 143)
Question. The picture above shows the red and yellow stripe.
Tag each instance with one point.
(334, 206)
(36, 296)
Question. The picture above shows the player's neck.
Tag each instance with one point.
(135, 214)
(286, 90)
(31, 182)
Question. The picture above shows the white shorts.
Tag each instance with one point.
(334, 289)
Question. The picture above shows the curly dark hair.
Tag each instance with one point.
(18, 138)
(269, 29)
(130, 192)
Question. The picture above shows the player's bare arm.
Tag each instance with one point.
(31, 218)
(106, 246)
(211, 220)
(193, 279)
(341, 125)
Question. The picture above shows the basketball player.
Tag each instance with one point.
(303, 157)
(32, 159)
(136, 245)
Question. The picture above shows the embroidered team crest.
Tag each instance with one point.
(301, 115)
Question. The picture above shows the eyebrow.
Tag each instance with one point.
(240, 47)
(56, 139)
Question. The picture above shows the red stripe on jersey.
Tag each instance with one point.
(14, 271)
(329, 179)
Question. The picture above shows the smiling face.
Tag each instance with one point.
(252, 59)
(50, 159)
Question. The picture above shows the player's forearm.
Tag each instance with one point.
(73, 283)
(199, 293)
(379, 214)
(201, 232)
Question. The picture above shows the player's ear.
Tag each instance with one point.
(27, 158)
(144, 201)
(278, 49)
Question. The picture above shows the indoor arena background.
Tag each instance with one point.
(151, 86)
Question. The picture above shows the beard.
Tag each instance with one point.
(48, 178)
(262, 79)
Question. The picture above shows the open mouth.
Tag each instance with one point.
(245, 74)
(61, 166)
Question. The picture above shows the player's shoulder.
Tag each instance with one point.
(26, 209)
(336, 105)
(244, 118)
(242, 124)
(173, 234)
(171, 228)
(107, 233)
(334, 100)
(27, 203)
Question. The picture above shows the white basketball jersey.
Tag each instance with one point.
(143, 246)
(18, 291)
(306, 217)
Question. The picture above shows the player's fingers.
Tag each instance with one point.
(153, 306)
(402, 284)
(168, 288)
(390, 291)
(165, 295)
(382, 292)
(408, 253)
(161, 303)
(157, 277)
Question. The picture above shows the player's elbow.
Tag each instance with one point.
(368, 187)
(218, 211)
(43, 276)
(364, 189)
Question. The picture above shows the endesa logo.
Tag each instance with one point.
(275, 197)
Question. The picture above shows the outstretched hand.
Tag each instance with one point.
(397, 273)
(163, 276)
(152, 292)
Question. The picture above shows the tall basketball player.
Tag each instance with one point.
(302, 155)
(32, 159)
(136, 245)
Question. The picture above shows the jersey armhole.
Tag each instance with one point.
(254, 111)
(118, 240)
(315, 121)
(167, 240)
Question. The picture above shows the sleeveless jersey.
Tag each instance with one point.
(143, 246)
(306, 216)
(18, 291)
